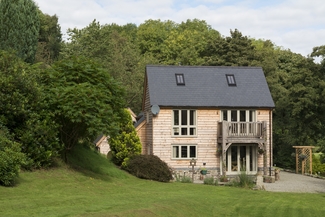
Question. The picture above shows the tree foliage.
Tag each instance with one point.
(84, 100)
(115, 49)
(19, 27)
(23, 110)
(125, 143)
(49, 39)
(11, 158)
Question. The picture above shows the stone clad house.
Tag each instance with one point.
(219, 116)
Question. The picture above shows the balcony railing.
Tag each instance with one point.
(241, 129)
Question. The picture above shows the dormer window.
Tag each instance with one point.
(231, 80)
(180, 79)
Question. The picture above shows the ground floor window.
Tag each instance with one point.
(184, 151)
(241, 158)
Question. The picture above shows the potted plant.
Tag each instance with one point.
(303, 156)
(203, 171)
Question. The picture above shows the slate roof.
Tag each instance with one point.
(206, 86)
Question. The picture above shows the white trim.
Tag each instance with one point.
(173, 157)
(178, 128)
(247, 114)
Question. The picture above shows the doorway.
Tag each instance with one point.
(241, 157)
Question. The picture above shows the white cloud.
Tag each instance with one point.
(297, 25)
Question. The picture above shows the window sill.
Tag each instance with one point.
(183, 136)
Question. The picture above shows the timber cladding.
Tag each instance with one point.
(205, 140)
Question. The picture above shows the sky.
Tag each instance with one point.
(298, 25)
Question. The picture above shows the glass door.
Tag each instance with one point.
(241, 158)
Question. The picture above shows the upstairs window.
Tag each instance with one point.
(231, 80)
(238, 115)
(180, 79)
(184, 122)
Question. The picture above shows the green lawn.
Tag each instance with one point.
(106, 191)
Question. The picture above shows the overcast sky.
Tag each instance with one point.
(298, 25)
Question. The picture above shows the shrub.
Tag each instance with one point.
(25, 112)
(11, 159)
(210, 181)
(183, 179)
(243, 180)
(149, 167)
(126, 143)
(318, 167)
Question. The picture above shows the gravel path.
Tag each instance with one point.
(291, 182)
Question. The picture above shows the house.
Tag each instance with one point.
(101, 142)
(221, 117)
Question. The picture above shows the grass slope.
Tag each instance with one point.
(92, 186)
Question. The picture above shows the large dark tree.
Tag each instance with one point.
(49, 39)
(235, 50)
(24, 112)
(84, 99)
(115, 49)
(19, 27)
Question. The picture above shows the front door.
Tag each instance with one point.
(241, 157)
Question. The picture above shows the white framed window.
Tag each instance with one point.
(184, 122)
(238, 115)
(242, 122)
(184, 151)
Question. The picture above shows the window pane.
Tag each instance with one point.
(224, 115)
(184, 151)
(176, 117)
(251, 113)
(184, 117)
(250, 158)
(233, 115)
(180, 79)
(242, 158)
(184, 131)
(176, 130)
(231, 80)
(192, 151)
(175, 152)
(242, 114)
(192, 117)
(234, 163)
(192, 131)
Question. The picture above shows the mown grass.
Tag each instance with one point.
(83, 189)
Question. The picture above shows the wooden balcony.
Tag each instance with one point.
(241, 132)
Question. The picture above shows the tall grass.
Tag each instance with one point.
(91, 186)
(210, 181)
(243, 180)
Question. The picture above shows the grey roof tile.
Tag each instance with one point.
(206, 86)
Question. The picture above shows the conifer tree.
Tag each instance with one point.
(19, 27)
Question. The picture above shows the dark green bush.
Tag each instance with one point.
(24, 110)
(149, 167)
(11, 159)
